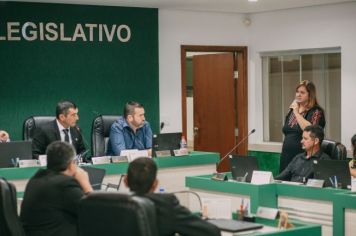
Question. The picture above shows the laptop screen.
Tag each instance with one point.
(166, 141)
(96, 176)
(326, 169)
(243, 165)
(16, 149)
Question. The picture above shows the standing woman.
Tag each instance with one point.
(303, 111)
(351, 163)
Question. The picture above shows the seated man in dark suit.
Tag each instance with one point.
(301, 167)
(171, 216)
(52, 195)
(63, 128)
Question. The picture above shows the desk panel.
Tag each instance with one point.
(202, 162)
(308, 204)
(259, 195)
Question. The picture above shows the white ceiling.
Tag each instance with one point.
(232, 6)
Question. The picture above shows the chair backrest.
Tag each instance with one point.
(100, 133)
(335, 150)
(113, 213)
(33, 122)
(9, 220)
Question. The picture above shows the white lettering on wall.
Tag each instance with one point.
(50, 31)
(32, 33)
(11, 30)
(128, 33)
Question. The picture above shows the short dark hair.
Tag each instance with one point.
(59, 155)
(63, 107)
(353, 142)
(141, 174)
(315, 132)
(129, 108)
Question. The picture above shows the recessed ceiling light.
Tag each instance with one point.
(253, 0)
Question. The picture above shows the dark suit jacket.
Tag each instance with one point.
(49, 133)
(50, 205)
(174, 218)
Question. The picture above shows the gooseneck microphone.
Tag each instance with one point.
(233, 149)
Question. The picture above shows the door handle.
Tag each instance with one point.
(196, 129)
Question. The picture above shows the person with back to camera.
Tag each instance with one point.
(51, 200)
(304, 111)
(351, 163)
(171, 217)
(4, 136)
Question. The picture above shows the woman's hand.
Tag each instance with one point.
(294, 106)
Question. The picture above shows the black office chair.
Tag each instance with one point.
(33, 122)
(335, 150)
(112, 213)
(10, 224)
(100, 133)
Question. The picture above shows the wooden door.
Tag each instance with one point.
(214, 104)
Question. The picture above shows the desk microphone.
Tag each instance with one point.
(233, 149)
(85, 142)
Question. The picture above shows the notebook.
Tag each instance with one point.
(240, 165)
(16, 149)
(326, 169)
(234, 225)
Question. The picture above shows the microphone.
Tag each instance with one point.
(233, 149)
(85, 142)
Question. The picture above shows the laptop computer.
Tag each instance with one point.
(326, 169)
(16, 149)
(234, 225)
(242, 165)
(96, 176)
(166, 143)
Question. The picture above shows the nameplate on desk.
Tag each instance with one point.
(267, 213)
(137, 154)
(163, 153)
(100, 160)
(117, 159)
(261, 177)
(28, 163)
(219, 177)
(318, 183)
(43, 160)
(181, 152)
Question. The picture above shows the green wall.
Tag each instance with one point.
(267, 161)
(98, 76)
